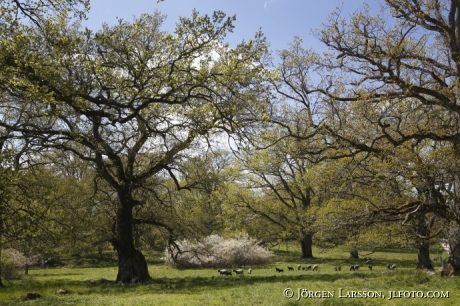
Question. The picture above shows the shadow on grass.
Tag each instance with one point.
(225, 282)
(192, 285)
(188, 284)
(345, 263)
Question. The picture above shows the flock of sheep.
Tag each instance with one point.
(306, 268)
(229, 272)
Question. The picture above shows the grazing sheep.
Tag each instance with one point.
(225, 272)
(308, 267)
(370, 267)
(249, 271)
(393, 267)
(368, 261)
(239, 271)
(61, 291)
(365, 258)
(304, 268)
(298, 267)
(290, 268)
(315, 267)
(354, 267)
(279, 270)
(31, 296)
(388, 266)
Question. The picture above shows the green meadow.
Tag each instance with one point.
(263, 287)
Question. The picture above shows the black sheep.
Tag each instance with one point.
(239, 271)
(225, 272)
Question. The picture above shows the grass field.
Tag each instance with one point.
(263, 287)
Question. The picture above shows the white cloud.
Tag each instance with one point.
(266, 3)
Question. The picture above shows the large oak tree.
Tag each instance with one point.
(130, 99)
(393, 80)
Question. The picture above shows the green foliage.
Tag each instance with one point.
(13, 264)
(382, 122)
(133, 101)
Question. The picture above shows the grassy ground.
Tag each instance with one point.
(263, 287)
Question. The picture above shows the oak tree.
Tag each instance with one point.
(393, 80)
(131, 99)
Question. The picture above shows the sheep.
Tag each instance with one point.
(308, 267)
(393, 267)
(290, 268)
(249, 271)
(315, 267)
(388, 266)
(298, 267)
(279, 270)
(239, 271)
(370, 267)
(354, 267)
(368, 261)
(365, 258)
(225, 272)
(304, 268)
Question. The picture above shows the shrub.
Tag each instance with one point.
(13, 264)
(215, 252)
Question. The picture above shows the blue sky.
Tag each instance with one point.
(280, 20)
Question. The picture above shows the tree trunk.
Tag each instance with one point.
(1, 245)
(354, 253)
(306, 244)
(423, 254)
(132, 266)
(453, 263)
(1, 283)
(423, 228)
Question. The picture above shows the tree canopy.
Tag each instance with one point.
(366, 134)
(388, 88)
(130, 99)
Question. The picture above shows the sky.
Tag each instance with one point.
(279, 20)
